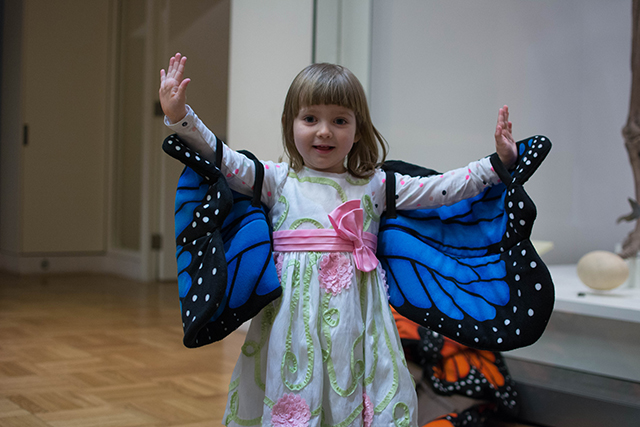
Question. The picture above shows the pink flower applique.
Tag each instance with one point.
(367, 412)
(277, 258)
(335, 272)
(290, 410)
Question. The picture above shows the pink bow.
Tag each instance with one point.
(347, 220)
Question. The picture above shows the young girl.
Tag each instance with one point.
(327, 352)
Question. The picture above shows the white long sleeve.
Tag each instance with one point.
(237, 168)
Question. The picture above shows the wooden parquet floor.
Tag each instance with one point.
(102, 351)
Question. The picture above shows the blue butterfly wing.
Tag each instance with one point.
(251, 273)
(226, 272)
(469, 271)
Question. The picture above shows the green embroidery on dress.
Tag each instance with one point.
(284, 215)
(313, 260)
(405, 420)
(233, 414)
(327, 316)
(322, 181)
(394, 385)
(324, 308)
(357, 366)
(289, 357)
(327, 320)
(253, 349)
(316, 412)
(370, 212)
(363, 181)
(352, 416)
(270, 403)
(297, 223)
(285, 276)
(234, 384)
(289, 361)
(363, 287)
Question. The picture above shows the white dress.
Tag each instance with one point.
(327, 352)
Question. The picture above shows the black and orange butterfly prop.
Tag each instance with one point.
(452, 368)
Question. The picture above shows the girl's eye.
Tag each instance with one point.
(309, 119)
(341, 122)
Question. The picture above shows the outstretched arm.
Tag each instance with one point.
(505, 144)
(173, 99)
(173, 89)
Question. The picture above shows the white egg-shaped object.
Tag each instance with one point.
(602, 270)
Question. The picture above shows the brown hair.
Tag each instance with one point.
(331, 84)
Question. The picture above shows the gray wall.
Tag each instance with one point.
(442, 68)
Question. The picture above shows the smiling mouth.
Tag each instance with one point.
(323, 147)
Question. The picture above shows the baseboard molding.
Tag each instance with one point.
(123, 264)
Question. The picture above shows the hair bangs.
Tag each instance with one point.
(328, 89)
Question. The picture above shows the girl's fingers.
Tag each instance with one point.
(172, 80)
(503, 119)
(176, 67)
(171, 66)
(183, 87)
(180, 72)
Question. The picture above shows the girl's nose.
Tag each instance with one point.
(323, 130)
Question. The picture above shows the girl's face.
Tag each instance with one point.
(324, 135)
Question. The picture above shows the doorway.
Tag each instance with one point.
(144, 178)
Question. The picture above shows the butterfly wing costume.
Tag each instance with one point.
(468, 271)
(226, 273)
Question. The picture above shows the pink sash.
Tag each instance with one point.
(346, 236)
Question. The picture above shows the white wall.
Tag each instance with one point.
(343, 35)
(270, 45)
(442, 68)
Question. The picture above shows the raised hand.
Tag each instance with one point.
(505, 144)
(173, 89)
